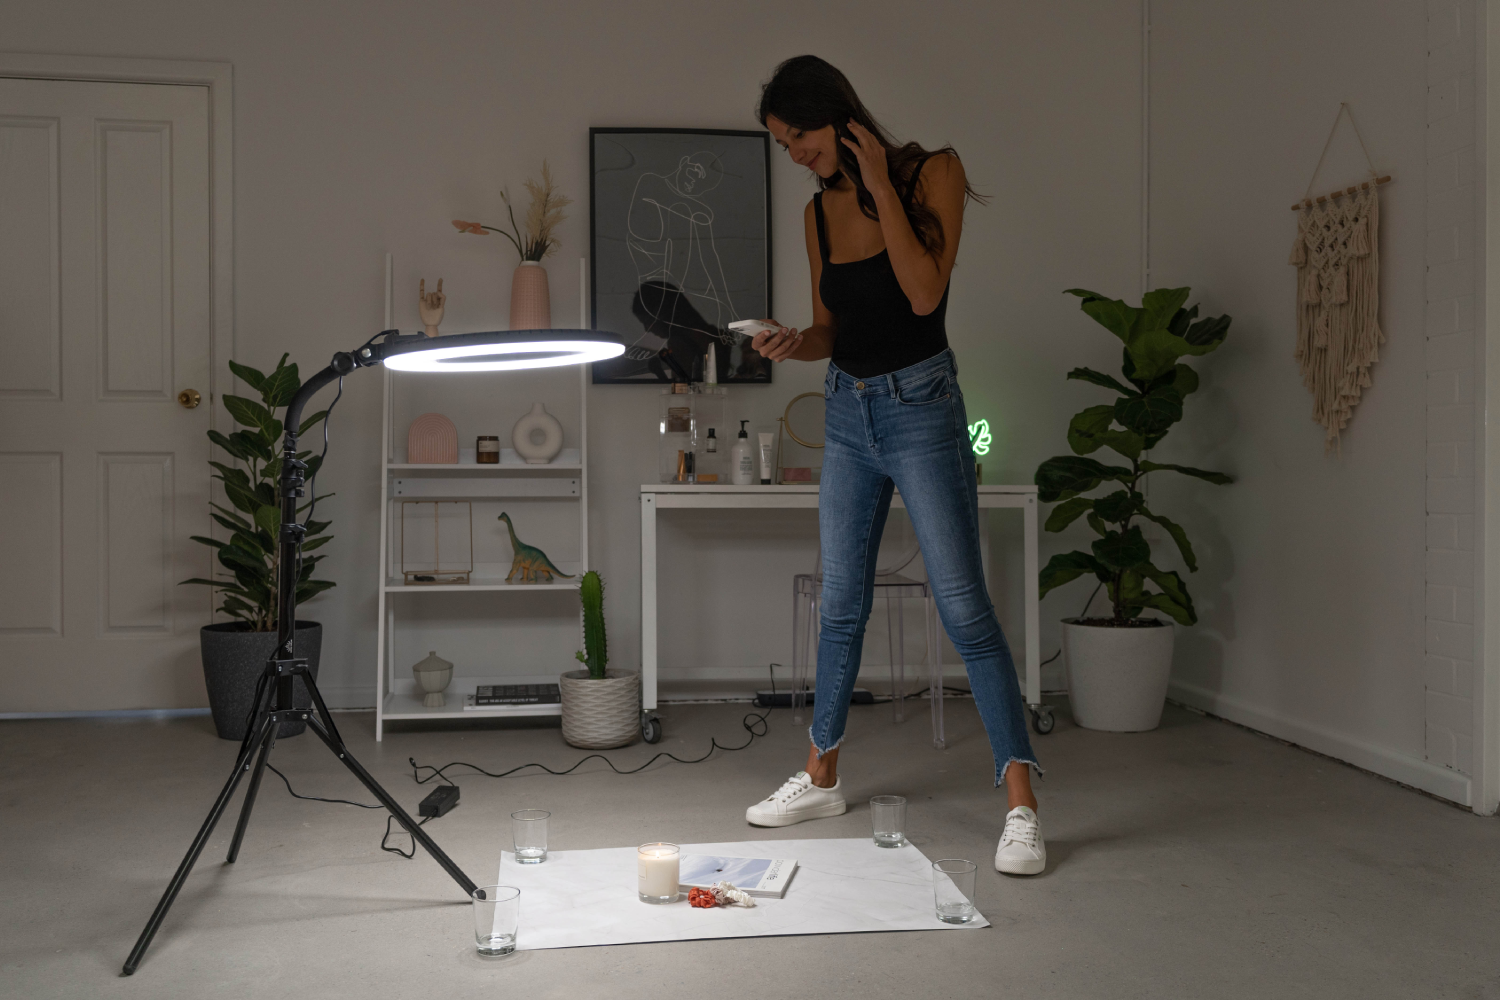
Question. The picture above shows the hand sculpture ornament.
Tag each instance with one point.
(431, 306)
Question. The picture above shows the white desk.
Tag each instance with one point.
(694, 495)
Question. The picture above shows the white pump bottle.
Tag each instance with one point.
(742, 459)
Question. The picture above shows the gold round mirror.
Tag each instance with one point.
(804, 423)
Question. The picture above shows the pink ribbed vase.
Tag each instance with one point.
(530, 301)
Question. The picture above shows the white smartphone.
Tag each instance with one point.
(750, 327)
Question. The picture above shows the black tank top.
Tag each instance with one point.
(877, 331)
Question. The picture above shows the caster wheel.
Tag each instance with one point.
(1042, 721)
(650, 729)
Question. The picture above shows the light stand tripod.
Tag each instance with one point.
(274, 691)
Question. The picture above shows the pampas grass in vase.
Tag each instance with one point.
(530, 300)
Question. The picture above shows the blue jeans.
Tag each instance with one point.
(907, 431)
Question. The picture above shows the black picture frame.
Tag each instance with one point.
(663, 275)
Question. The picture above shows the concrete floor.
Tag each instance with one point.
(1199, 860)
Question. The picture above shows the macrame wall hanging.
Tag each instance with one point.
(1337, 255)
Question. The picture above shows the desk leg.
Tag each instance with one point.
(1033, 607)
(984, 544)
(648, 601)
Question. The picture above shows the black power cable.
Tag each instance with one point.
(755, 723)
(363, 805)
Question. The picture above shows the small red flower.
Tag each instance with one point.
(470, 227)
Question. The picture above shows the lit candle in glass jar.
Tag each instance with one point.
(656, 872)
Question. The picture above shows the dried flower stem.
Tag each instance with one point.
(542, 219)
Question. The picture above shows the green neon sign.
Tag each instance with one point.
(979, 437)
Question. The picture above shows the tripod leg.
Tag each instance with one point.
(323, 713)
(159, 914)
(417, 833)
(266, 743)
(263, 689)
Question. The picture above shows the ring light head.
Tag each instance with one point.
(502, 350)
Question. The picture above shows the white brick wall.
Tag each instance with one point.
(1452, 41)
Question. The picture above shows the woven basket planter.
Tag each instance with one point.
(600, 714)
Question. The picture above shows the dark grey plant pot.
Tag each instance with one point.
(233, 659)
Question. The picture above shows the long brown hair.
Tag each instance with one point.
(809, 94)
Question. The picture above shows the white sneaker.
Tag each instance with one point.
(1021, 850)
(796, 800)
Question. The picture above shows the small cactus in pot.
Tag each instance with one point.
(595, 652)
(601, 708)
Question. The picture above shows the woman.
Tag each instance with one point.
(882, 236)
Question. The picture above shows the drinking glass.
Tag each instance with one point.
(530, 828)
(953, 890)
(888, 815)
(657, 868)
(497, 910)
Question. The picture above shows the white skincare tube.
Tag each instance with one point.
(765, 457)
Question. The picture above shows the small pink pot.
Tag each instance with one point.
(530, 301)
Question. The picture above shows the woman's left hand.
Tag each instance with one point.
(874, 169)
(778, 344)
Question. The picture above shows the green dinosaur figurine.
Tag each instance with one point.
(531, 563)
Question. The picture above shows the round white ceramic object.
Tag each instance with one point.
(433, 675)
(1117, 677)
(538, 436)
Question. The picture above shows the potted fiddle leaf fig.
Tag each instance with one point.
(601, 708)
(1118, 666)
(235, 651)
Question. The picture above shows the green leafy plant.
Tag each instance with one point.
(1150, 400)
(595, 652)
(249, 558)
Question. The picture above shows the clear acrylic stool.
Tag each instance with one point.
(807, 594)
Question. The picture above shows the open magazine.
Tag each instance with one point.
(757, 876)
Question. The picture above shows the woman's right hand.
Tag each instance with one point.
(779, 344)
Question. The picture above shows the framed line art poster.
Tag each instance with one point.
(680, 227)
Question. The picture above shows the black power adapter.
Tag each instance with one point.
(440, 800)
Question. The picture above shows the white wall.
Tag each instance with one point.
(1313, 598)
(361, 128)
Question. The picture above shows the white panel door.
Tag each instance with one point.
(104, 320)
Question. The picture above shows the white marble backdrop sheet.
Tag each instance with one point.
(579, 898)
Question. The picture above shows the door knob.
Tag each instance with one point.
(189, 398)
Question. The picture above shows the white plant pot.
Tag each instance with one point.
(600, 714)
(1117, 677)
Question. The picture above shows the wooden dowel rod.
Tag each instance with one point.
(1310, 202)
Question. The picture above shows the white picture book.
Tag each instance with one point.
(757, 876)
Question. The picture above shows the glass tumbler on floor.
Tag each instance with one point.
(888, 817)
(497, 911)
(530, 829)
(953, 890)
